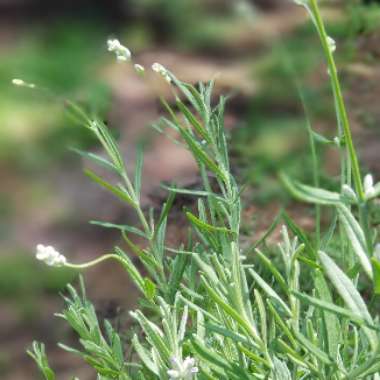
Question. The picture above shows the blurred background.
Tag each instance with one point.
(263, 53)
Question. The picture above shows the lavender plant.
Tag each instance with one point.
(210, 308)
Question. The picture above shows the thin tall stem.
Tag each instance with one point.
(340, 105)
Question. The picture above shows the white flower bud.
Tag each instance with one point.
(122, 52)
(331, 43)
(182, 370)
(22, 83)
(139, 69)
(337, 141)
(369, 189)
(160, 69)
(50, 256)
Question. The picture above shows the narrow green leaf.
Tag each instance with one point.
(321, 139)
(121, 227)
(210, 356)
(150, 288)
(310, 194)
(39, 356)
(262, 314)
(228, 333)
(132, 270)
(96, 159)
(331, 322)
(153, 334)
(355, 237)
(349, 294)
(144, 355)
(271, 267)
(269, 291)
(297, 231)
(194, 122)
(121, 194)
(231, 311)
(280, 370)
(314, 350)
(165, 211)
(376, 274)
(138, 171)
(205, 226)
(176, 274)
(331, 307)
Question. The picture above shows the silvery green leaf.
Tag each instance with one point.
(39, 356)
(153, 333)
(96, 158)
(310, 194)
(331, 321)
(138, 171)
(312, 349)
(356, 238)
(270, 292)
(280, 370)
(183, 323)
(376, 274)
(349, 294)
(144, 355)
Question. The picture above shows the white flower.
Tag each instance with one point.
(139, 69)
(122, 52)
(182, 370)
(18, 82)
(331, 43)
(160, 69)
(22, 83)
(369, 189)
(50, 256)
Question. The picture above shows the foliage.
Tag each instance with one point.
(301, 315)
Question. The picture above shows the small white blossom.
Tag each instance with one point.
(160, 69)
(122, 52)
(369, 189)
(331, 43)
(182, 370)
(22, 83)
(18, 82)
(50, 256)
(336, 139)
(139, 69)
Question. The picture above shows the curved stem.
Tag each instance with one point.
(94, 262)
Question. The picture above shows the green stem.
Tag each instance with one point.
(94, 262)
(340, 105)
